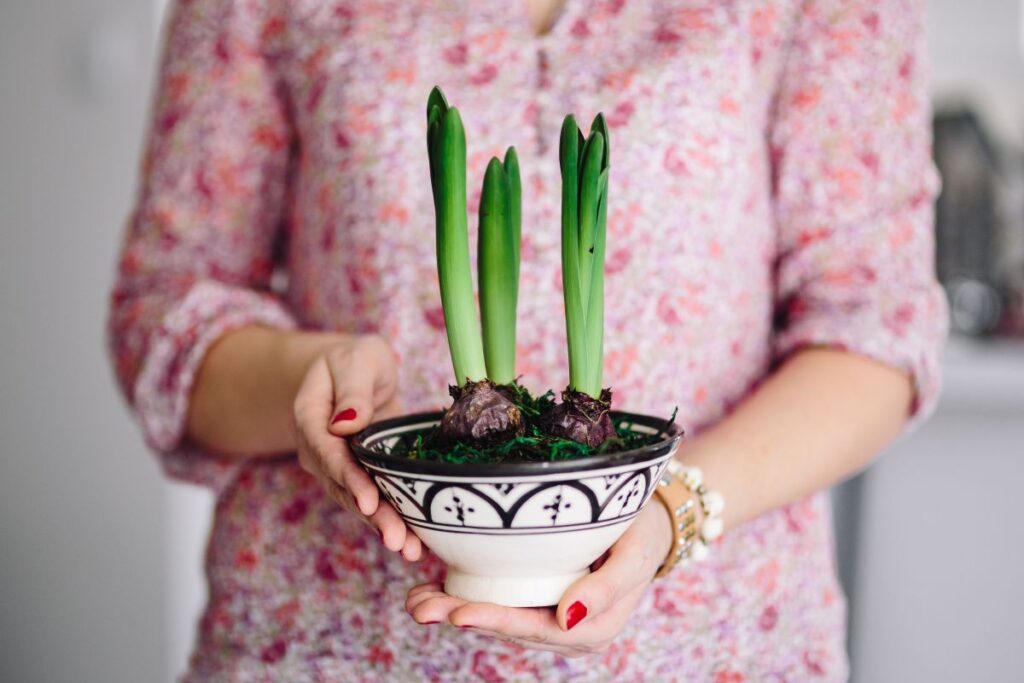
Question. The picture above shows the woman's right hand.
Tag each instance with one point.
(344, 389)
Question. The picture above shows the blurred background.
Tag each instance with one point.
(100, 558)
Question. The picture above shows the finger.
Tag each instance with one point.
(319, 451)
(385, 388)
(342, 497)
(363, 376)
(391, 408)
(338, 464)
(314, 400)
(564, 650)
(421, 593)
(385, 521)
(599, 562)
(592, 637)
(435, 607)
(308, 460)
(391, 527)
(626, 566)
(413, 548)
(432, 587)
(536, 624)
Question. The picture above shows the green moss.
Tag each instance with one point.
(534, 446)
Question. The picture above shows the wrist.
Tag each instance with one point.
(662, 533)
(241, 402)
(714, 453)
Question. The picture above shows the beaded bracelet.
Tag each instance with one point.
(682, 491)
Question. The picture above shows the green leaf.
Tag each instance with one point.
(437, 107)
(584, 164)
(568, 154)
(497, 274)
(593, 154)
(515, 221)
(595, 309)
(433, 128)
(515, 203)
(453, 269)
(437, 99)
(581, 143)
(599, 125)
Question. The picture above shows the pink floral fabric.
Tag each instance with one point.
(771, 189)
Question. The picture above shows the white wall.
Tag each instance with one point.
(81, 523)
(938, 587)
(977, 56)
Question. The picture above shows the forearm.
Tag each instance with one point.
(819, 418)
(241, 402)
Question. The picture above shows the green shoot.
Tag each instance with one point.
(515, 205)
(584, 227)
(589, 195)
(446, 146)
(498, 266)
(575, 320)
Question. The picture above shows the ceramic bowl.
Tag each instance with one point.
(515, 534)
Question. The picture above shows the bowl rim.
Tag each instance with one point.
(477, 470)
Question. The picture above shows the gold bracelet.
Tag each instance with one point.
(682, 511)
(682, 492)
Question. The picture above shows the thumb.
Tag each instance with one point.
(622, 571)
(353, 394)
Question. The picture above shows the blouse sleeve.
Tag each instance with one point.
(199, 250)
(854, 190)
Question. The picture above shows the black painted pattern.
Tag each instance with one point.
(621, 491)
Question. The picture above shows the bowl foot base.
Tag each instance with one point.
(510, 591)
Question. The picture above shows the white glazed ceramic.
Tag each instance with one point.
(515, 534)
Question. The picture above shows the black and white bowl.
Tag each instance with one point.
(515, 534)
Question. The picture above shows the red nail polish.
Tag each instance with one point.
(347, 414)
(575, 614)
(428, 623)
(465, 626)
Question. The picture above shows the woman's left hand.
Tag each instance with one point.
(591, 613)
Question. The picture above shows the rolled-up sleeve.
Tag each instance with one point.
(854, 189)
(200, 246)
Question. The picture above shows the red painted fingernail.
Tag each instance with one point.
(428, 623)
(465, 625)
(575, 614)
(343, 415)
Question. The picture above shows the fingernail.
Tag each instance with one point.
(465, 625)
(428, 623)
(575, 614)
(343, 415)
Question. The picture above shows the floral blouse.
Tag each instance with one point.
(771, 189)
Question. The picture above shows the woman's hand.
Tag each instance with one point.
(591, 613)
(345, 388)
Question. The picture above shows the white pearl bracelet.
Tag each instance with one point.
(712, 505)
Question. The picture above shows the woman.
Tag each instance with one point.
(769, 272)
